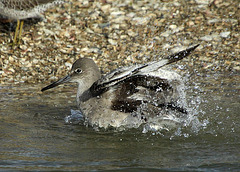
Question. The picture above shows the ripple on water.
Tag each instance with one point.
(33, 131)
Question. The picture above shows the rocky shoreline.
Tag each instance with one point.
(116, 33)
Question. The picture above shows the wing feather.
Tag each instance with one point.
(120, 75)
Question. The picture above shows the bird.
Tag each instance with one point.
(22, 9)
(129, 96)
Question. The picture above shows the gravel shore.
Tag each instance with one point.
(123, 32)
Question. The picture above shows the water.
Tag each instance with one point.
(35, 136)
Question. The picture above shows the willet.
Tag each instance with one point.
(22, 9)
(127, 96)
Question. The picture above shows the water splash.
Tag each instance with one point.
(76, 117)
(188, 124)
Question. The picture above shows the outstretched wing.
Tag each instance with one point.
(147, 92)
(120, 75)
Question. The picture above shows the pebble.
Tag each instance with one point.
(225, 34)
(69, 65)
(132, 33)
(106, 8)
(166, 34)
(117, 13)
(204, 2)
(141, 20)
(112, 42)
(206, 38)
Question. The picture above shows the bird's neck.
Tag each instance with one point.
(82, 92)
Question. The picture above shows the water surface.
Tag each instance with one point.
(35, 136)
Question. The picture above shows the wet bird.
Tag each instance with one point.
(128, 96)
(22, 9)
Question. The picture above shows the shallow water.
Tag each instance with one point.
(34, 135)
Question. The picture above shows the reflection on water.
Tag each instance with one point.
(34, 135)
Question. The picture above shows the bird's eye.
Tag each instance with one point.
(78, 70)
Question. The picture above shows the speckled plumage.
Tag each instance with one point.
(22, 9)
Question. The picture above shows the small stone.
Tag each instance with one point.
(166, 34)
(166, 46)
(159, 22)
(131, 14)
(206, 38)
(12, 70)
(225, 34)
(211, 21)
(11, 59)
(103, 25)
(191, 23)
(203, 2)
(88, 30)
(173, 27)
(69, 65)
(236, 68)
(35, 61)
(85, 3)
(119, 19)
(141, 20)
(123, 36)
(48, 32)
(176, 4)
(23, 47)
(132, 34)
(117, 13)
(112, 42)
(106, 8)
(216, 37)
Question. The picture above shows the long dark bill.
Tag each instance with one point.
(180, 55)
(56, 83)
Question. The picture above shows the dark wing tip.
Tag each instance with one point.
(182, 54)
